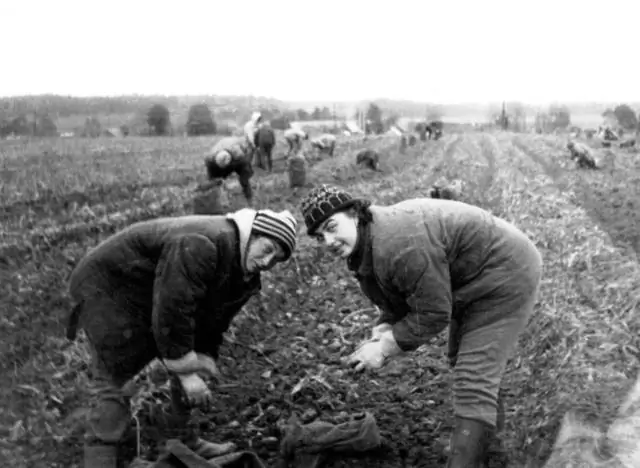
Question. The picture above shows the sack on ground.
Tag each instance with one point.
(210, 199)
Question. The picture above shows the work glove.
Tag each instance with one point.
(192, 363)
(196, 390)
(373, 353)
(208, 366)
(378, 329)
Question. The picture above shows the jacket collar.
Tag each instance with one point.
(361, 259)
(243, 219)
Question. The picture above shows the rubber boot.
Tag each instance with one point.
(206, 449)
(501, 415)
(100, 456)
(468, 444)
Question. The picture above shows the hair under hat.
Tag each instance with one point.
(322, 203)
(281, 227)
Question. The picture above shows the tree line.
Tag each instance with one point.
(24, 118)
(513, 116)
(38, 116)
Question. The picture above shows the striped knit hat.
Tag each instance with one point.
(281, 227)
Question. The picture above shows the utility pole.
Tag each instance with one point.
(503, 116)
(335, 123)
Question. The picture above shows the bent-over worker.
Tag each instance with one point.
(294, 138)
(232, 155)
(168, 288)
(428, 264)
(325, 143)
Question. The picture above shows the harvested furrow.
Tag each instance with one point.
(579, 357)
(609, 195)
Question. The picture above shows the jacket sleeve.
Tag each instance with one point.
(184, 274)
(422, 277)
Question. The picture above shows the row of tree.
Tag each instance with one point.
(200, 121)
(513, 117)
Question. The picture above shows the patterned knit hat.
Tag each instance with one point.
(281, 227)
(322, 203)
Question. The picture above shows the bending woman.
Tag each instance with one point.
(428, 264)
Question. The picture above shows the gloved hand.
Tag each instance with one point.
(192, 363)
(373, 353)
(196, 390)
(208, 366)
(379, 329)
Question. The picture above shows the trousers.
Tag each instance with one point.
(479, 352)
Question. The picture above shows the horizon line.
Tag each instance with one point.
(311, 100)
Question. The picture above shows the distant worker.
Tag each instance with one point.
(368, 158)
(325, 143)
(295, 137)
(581, 153)
(251, 128)
(229, 155)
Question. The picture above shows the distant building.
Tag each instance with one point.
(395, 130)
(353, 127)
(113, 132)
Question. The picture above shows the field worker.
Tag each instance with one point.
(168, 288)
(294, 138)
(581, 153)
(229, 155)
(251, 128)
(325, 143)
(429, 264)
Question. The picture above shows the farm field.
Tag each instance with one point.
(580, 351)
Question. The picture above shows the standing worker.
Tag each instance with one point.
(429, 264)
(232, 155)
(168, 288)
(252, 127)
(294, 138)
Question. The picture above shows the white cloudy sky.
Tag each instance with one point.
(445, 51)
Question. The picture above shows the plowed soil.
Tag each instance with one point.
(283, 352)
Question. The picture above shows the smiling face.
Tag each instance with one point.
(339, 233)
(263, 253)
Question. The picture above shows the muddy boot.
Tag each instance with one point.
(206, 449)
(100, 456)
(468, 444)
(501, 417)
(496, 456)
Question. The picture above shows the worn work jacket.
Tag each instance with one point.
(423, 260)
(176, 282)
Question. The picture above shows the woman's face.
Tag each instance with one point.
(339, 233)
(263, 253)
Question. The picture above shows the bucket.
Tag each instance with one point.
(297, 168)
(210, 199)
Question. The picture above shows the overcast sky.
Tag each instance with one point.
(447, 51)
